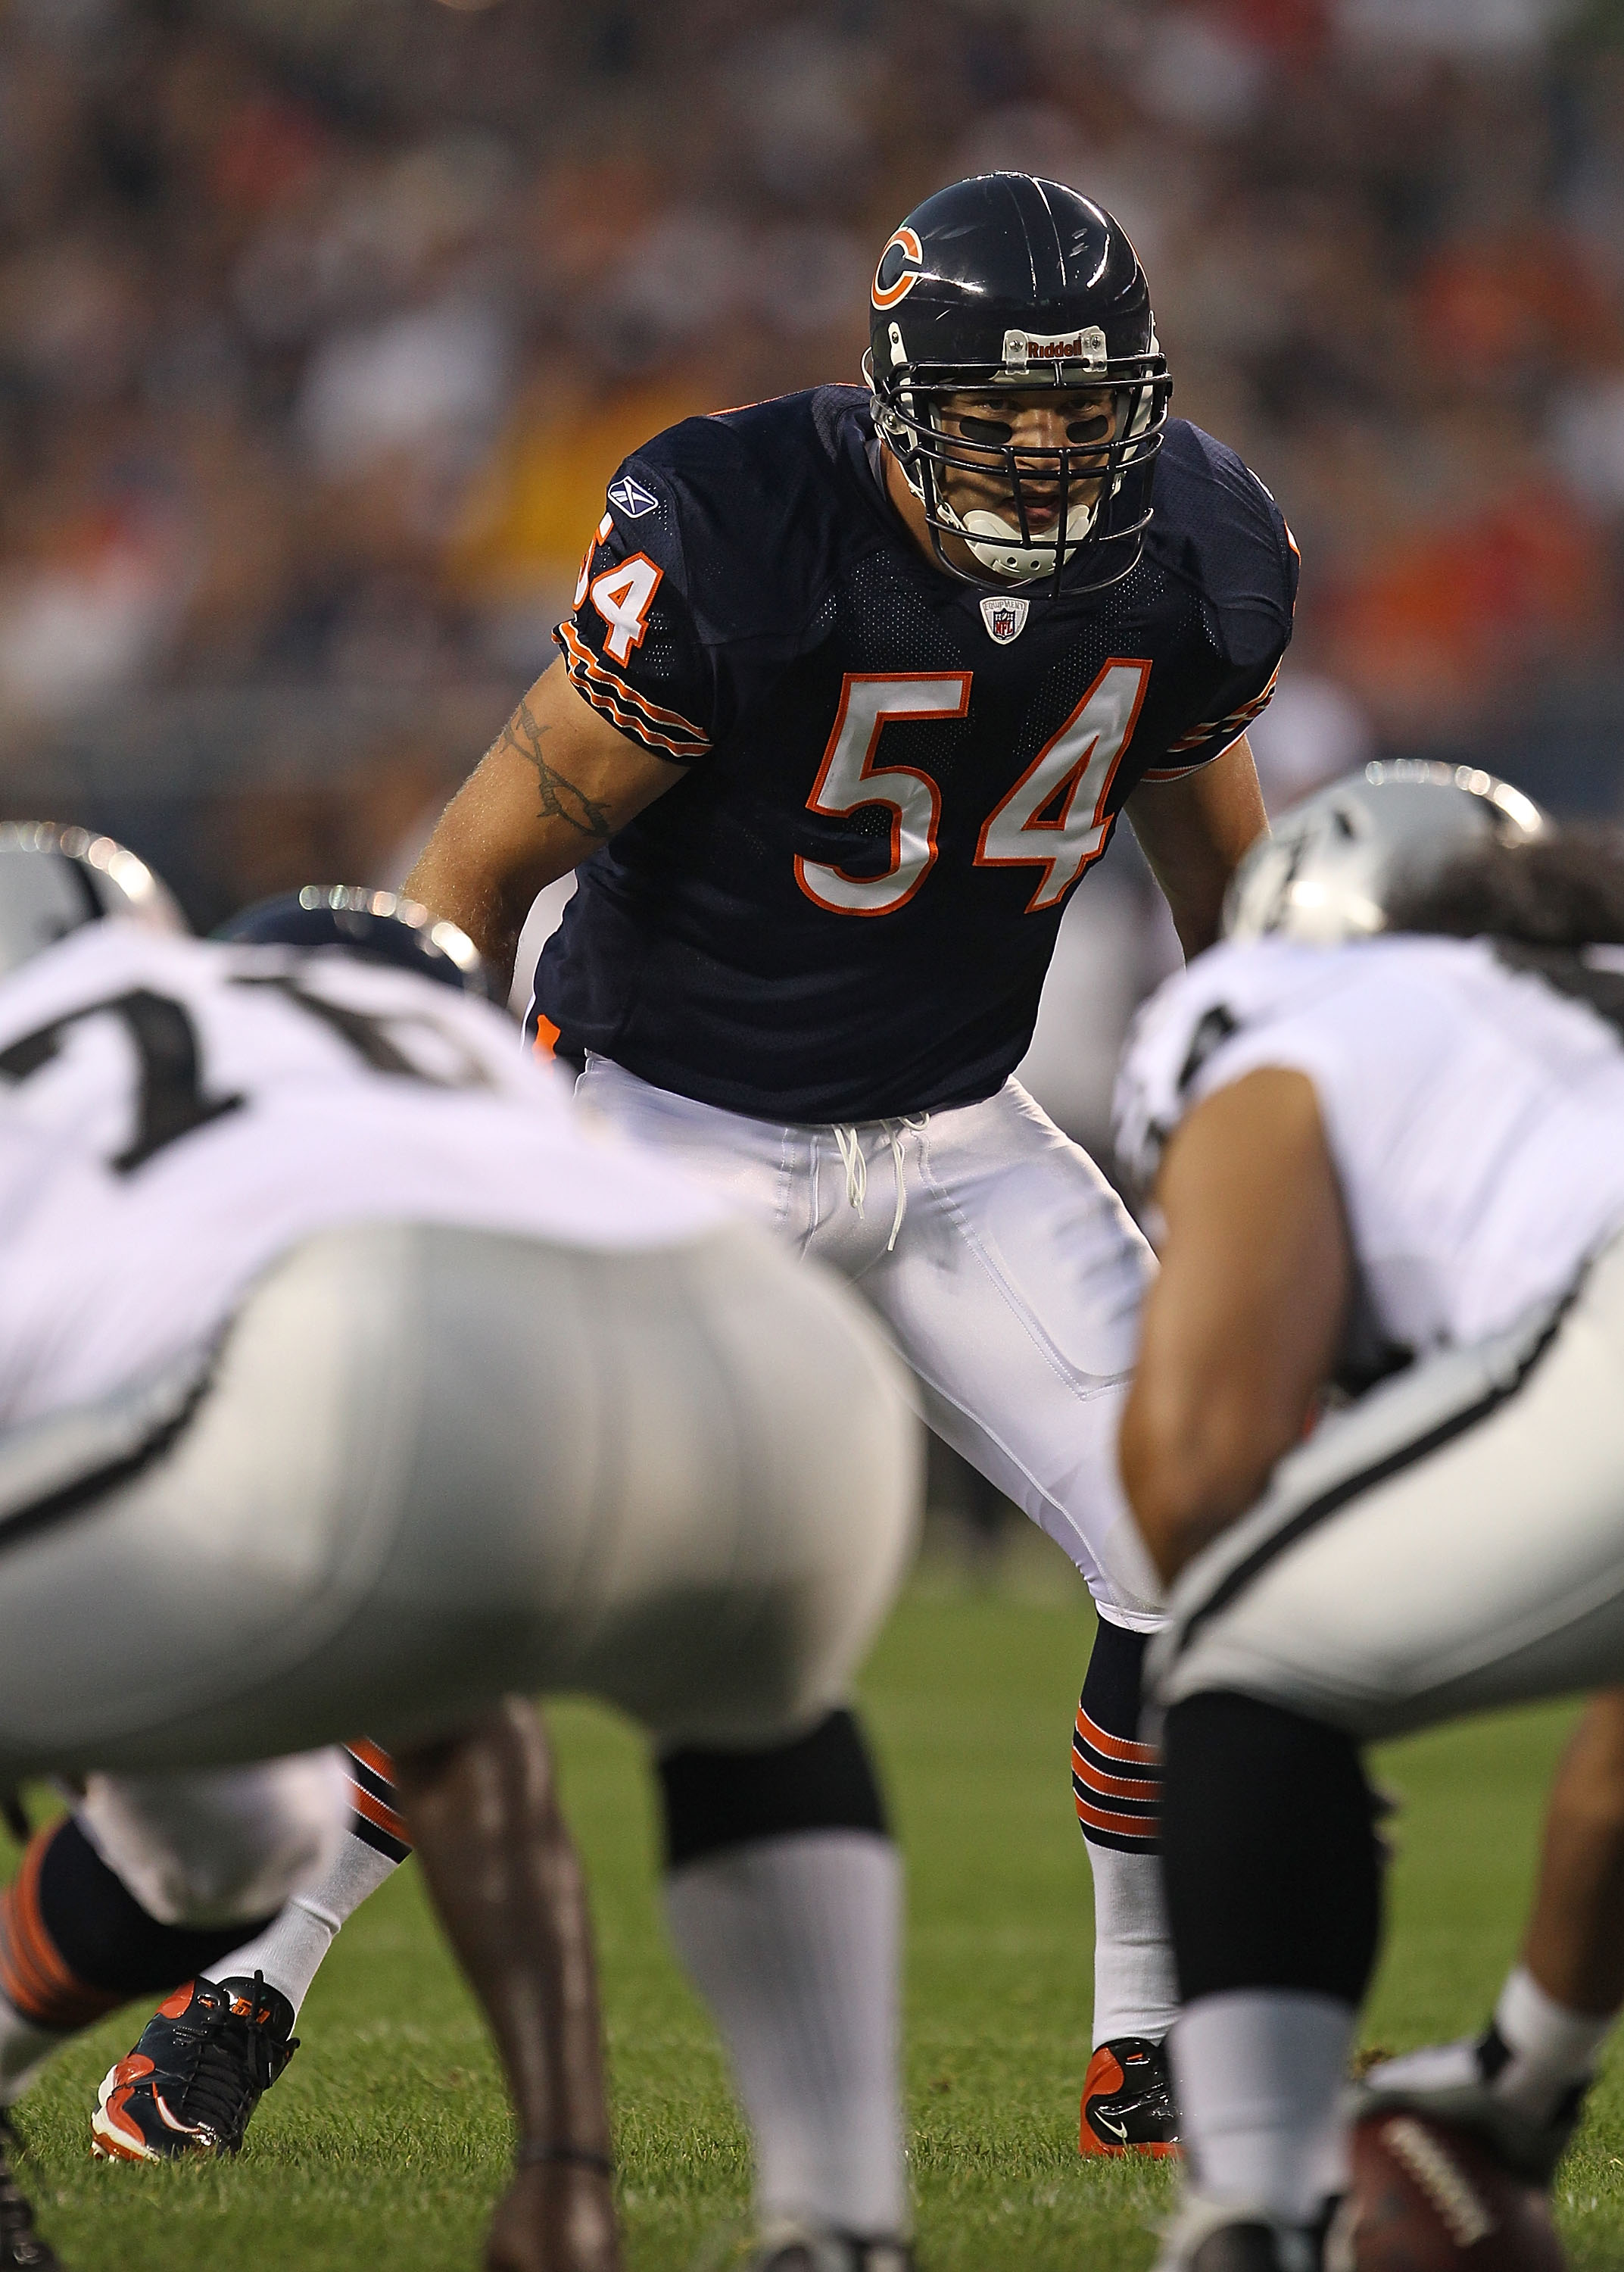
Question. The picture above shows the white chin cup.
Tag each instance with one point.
(998, 546)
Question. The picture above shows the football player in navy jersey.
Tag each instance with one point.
(856, 685)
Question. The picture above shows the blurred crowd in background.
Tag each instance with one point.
(323, 322)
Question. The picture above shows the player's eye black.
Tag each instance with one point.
(994, 435)
(992, 431)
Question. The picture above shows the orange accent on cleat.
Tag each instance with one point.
(1127, 2113)
(109, 2145)
(192, 2082)
(111, 2139)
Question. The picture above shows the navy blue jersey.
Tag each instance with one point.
(893, 780)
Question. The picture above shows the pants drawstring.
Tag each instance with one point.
(856, 1167)
(849, 1146)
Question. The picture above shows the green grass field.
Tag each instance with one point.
(385, 2142)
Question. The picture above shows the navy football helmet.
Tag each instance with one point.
(379, 924)
(52, 880)
(1007, 281)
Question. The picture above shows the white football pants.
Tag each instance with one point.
(1005, 1269)
(1453, 1541)
(224, 1846)
(431, 1467)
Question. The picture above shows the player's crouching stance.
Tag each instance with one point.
(855, 687)
(348, 1383)
(1377, 1156)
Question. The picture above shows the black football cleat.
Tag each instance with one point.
(205, 2059)
(21, 2248)
(1128, 2104)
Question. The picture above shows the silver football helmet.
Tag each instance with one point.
(54, 881)
(1334, 863)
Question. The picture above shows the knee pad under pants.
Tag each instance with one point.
(714, 1799)
(1269, 1851)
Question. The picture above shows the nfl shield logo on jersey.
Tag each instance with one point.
(1004, 615)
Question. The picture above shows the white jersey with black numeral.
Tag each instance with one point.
(175, 1114)
(1473, 1098)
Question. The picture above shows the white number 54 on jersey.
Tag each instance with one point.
(1054, 819)
(622, 597)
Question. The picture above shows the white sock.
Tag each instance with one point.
(1552, 2047)
(794, 1943)
(24, 2048)
(290, 1950)
(1134, 1991)
(1259, 2075)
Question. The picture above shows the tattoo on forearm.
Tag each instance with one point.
(561, 799)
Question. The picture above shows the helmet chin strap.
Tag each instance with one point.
(996, 544)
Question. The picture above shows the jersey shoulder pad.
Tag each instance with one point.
(633, 644)
(795, 435)
(753, 492)
(1217, 527)
(743, 501)
(1168, 1057)
(717, 546)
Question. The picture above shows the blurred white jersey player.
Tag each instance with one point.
(348, 1381)
(1382, 1121)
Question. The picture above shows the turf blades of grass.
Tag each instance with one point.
(386, 2139)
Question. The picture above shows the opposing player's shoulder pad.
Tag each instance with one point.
(1170, 1057)
(1216, 526)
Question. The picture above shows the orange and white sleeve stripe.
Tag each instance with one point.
(667, 732)
(1210, 739)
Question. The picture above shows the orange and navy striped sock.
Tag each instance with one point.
(377, 1819)
(293, 1948)
(1116, 1780)
(36, 1978)
(75, 1943)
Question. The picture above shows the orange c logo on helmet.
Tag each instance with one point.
(899, 269)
